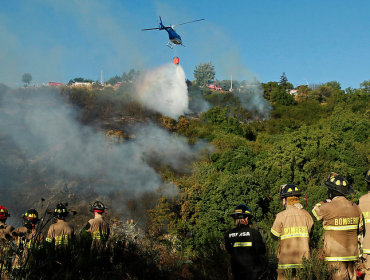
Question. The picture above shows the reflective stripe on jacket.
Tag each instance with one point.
(293, 227)
(341, 219)
(61, 232)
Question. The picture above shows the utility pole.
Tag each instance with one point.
(102, 76)
(231, 88)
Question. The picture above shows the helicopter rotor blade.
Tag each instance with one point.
(149, 29)
(187, 22)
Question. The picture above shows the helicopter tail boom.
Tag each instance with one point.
(161, 26)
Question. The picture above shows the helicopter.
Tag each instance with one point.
(174, 37)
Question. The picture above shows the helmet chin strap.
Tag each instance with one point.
(329, 194)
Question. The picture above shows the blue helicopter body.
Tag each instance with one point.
(174, 37)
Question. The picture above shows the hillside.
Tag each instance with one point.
(179, 177)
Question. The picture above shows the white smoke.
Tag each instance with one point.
(251, 98)
(48, 134)
(164, 90)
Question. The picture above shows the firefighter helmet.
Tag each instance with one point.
(367, 176)
(98, 207)
(31, 216)
(241, 211)
(3, 213)
(60, 211)
(288, 190)
(338, 183)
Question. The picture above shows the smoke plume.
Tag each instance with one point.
(52, 152)
(164, 90)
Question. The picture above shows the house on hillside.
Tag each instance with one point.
(82, 84)
(215, 87)
(116, 86)
(55, 84)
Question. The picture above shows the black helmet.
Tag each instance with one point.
(288, 190)
(241, 211)
(367, 177)
(31, 216)
(338, 183)
(98, 207)
(60, 211)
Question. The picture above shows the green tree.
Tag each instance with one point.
(280, 96)
(226, 84)
(267, 89)
(114, 80)
(283, 80)
(131, 76)
(303, 90)
(204, 74)
(81, 80)
(321, 94)
(334, 85)
(26, 78)
(365, 87)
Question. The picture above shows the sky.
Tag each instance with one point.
(311, 41)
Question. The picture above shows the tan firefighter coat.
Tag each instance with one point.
(99, 231)
(293, 227)
(4, 242)
(365, 209)
(26, 239)
(61, 232)
(341, 220)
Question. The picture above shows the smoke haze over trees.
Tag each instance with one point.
(136, 149)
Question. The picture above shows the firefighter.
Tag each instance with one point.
(5, 231)
(293, 227)
(26, 238)
(245, 245)
(98, 228)
(61, 232)
(365, 209)
(341, 220)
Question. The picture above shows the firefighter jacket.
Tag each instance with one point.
(365, 209)
(4, 243)
(341, 220)
(60, 232)
(5, 229)
(293, 227)
(246, 246)
(25, 239)
(98, 229)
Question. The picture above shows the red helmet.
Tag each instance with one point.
(3, 213)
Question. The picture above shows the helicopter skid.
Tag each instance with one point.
(170, 45)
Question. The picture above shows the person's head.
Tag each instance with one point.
(31, 217)
(337, 185)
(367, 179)
(3, 214)
(60, 211)
(288, 190)
(242, 215)
(98, 208)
